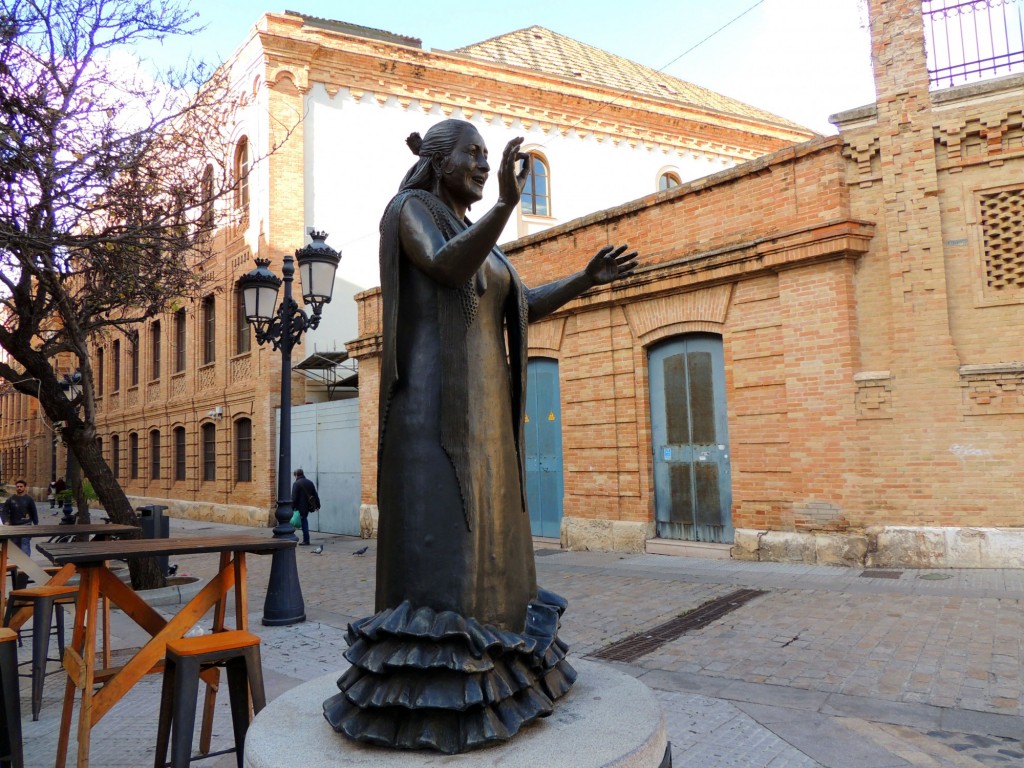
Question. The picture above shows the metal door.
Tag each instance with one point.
(325, 443)
(692, 482)
(543, 433)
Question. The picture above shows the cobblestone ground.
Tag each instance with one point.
(827, 668)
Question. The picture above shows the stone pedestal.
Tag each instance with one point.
(607, 719)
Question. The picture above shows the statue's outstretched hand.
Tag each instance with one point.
(510, 184)
(611, 263)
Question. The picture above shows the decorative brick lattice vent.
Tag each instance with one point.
(1002, 226)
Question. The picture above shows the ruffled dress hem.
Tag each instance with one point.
(422, 679)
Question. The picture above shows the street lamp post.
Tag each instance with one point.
(71, 383)
(283, 329)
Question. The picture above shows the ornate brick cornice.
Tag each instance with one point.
(990, 136)
(371, 71)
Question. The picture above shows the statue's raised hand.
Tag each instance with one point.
(510, 183)
(611, 263)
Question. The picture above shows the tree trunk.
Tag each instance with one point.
(145, 571)
(80, 437)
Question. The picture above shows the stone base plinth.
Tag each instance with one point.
(887, 546)
(607, 719)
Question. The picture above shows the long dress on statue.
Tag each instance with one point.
(463, 649)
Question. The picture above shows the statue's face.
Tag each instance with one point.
(465, 171)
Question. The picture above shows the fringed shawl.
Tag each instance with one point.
(457, 309)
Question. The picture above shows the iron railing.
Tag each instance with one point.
(971, 40)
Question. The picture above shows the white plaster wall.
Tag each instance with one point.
(355, 158)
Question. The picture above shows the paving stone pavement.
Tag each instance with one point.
(828, 668)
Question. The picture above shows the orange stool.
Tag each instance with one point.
(239, 652)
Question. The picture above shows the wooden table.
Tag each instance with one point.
(26, 564)
(90, 558)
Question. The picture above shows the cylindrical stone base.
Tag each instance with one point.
(607, 720)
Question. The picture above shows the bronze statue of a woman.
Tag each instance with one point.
(463, 649)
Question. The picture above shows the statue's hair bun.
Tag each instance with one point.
(415, 141)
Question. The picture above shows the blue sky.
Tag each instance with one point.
(802, 59)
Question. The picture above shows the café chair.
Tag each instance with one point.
(10, 701)
(187, 658)
(18, 579)
(42, 601)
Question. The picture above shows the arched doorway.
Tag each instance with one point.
(543, 434)
(690, 436)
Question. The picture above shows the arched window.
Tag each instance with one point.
(154, 455)
(668, 180)
(154, 350)
(180, 341)
(115, 456)
(179, 453)
(243, 334)
(209, 317)
(209, 452)
(133, 456)
(115, 354)
(99, 372)
(206, 200)
(536, 199)
(241, 168)
(243, 451)
(133, 359)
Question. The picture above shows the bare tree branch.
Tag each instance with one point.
(112, 184)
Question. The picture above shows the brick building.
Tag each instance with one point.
(817, 360)
(187, 402)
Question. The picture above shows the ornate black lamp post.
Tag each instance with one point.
(71, 383)
(283, 328)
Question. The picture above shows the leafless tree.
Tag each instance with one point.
(109, 183)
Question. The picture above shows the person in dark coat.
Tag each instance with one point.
(20, 509)
(305, 500)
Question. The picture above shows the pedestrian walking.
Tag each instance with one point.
(20, 509)
(305, 500)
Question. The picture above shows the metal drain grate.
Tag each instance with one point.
(881, 574)
(642, 643)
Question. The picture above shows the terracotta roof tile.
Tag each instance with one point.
(542, 50)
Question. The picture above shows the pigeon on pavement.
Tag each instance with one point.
(361, 551)
(318, 549)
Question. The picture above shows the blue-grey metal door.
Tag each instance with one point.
(543, 433)
(690, 435)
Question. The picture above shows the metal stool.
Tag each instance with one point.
(239, 652)
(10, 707)
(42, 601)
